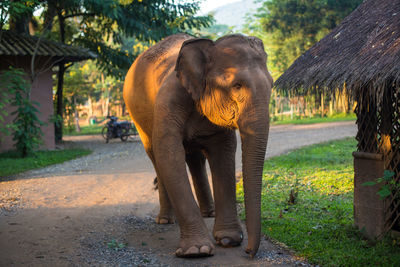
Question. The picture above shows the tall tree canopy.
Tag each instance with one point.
(103, 25)
(293, 26)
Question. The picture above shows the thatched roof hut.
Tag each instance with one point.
(363, 50)
(362, 54)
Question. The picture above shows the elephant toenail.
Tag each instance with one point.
(192, 251)
(205, 250)
(179, 252)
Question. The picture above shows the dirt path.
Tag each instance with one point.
(78, 212)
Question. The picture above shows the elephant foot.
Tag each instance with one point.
(195, 248)
(165, 219)
(229, 237)
(208, 213)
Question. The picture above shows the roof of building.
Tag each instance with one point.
(14, 44)
(362, 53)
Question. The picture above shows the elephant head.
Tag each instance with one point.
(230, 85)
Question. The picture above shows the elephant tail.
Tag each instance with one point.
(155, 182)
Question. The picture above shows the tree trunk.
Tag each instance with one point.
(349, 104)
(58, 126)
(90, 115)
(276, 110)
(322, 105)
(291, 110)
(60, 83)
(107, 104)
(76, 115)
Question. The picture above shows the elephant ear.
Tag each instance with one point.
(258, 45)
(191, 65)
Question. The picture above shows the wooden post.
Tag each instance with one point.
(369, 164)
(369, 211)
(322, 104)
(386, 125)
(76, 115)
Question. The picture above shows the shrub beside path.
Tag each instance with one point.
(100, 209)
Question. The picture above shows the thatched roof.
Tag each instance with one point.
(363, 53)
(14, 44)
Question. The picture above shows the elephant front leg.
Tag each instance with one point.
(197, 166)
(195, 240)
(221, 151)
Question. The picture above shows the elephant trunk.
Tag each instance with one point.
(254, 136)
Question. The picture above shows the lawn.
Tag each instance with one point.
(304, 120)
(10, 163)
(319, 225)
(96, 129)
(85, 130)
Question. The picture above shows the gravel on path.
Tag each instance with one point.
(99, 210)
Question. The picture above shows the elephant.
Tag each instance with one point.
(187, 96)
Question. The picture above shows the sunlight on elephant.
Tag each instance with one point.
(187, 96)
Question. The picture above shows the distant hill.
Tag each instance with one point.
(234, 14)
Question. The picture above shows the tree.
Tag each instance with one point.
(102, 25)
(104, 22)
(290, 27)
(293, 26)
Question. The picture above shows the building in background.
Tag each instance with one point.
(17, 50)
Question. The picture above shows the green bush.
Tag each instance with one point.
(26, 125)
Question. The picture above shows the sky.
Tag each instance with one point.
(208, 5)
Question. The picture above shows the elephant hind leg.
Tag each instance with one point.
(196, 162)
(166, 214)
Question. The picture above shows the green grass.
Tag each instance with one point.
(319, 226)
(334, 118)
(85, 130)
(96, 129)
(11, 163)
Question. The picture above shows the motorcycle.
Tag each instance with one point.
(118, 129)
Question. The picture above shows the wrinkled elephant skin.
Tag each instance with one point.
(187, 96)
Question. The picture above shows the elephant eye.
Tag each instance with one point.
(237, 86)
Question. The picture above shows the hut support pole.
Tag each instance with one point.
(322, 105)
(368, 166)
(386, 125)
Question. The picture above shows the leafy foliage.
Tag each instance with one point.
(388, 186)
(113, 244)
(26, 125)
(103, 26)
(15, 10)
(293, 26)
(4, 100)
(319, 225)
